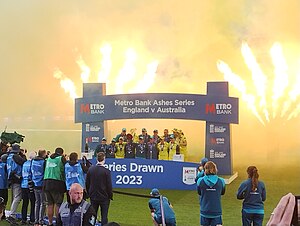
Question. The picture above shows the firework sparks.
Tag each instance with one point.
(126, 74)
(236, 81)
(281, 80)
(66, 83)
(148, 79)
(106, 63)
(85, 70)
(258, 77)
(280, 90)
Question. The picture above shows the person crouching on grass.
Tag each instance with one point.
(253, 192)
(155, 208)
(210, 187)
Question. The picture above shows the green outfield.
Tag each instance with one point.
(133, 211)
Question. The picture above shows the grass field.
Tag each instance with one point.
(133, 211)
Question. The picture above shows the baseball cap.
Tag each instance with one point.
(203, 161)
(124, 129)
(104, 138)
(144, 130)
(155, 131)
(154, 192)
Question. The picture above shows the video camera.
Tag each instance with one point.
(11, 137)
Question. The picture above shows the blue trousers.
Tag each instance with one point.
(249, 218)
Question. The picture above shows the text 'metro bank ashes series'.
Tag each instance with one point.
(216, 108)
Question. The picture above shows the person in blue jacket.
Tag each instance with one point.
(15, 161)
(38, 169)
(3, 183)
(75, 173)
(210, 187)
(155, 208)
(27, 190)
(253, 192)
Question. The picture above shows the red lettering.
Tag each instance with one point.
(213, 141)
(85, 108)
(210, 108)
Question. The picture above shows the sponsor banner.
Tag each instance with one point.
(149, 173)
(92, 134)
(217, 146)
(174, 106)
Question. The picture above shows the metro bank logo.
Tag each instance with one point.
(219, 109)
(92, 109)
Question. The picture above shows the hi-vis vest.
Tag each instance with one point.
(74, 174)
(3, 176)
(75, 218)
(26, 174)
(13, 166)
(37, 170)
(54, 169)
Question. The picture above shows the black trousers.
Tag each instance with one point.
(28, 196)
(104, 205)
(4, 195)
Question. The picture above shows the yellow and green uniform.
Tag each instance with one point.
(163, 151)
(183, 146)
(173, 149)
(120, 150)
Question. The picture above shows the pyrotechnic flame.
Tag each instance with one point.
(66, 83)
(281, 80)
(294, 94)
(258, 77)
(127, 73)
(148, 79)
(106, 63)
(279, 89)
(239, 84)
(85, 70)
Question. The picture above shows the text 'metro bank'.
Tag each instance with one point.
(216, 108)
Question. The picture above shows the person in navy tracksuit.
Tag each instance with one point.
(253, 192)
(210, 187)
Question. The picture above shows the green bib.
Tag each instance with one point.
(54, 169)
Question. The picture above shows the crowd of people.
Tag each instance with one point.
(44, 178)
(131, 145)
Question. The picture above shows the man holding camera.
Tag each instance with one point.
(15, 161)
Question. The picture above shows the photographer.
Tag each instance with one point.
(75, 171)
(15, 161)
(27, 189)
